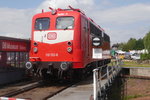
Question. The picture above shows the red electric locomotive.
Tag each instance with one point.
(66, 42)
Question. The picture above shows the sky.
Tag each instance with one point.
(121, 19)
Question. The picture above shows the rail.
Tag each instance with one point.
(100, 82)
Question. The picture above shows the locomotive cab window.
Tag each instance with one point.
(95, 31)
(65, 23)
(42, 24)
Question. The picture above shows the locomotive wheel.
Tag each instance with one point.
(80, 74)
(84, 73)
(45, 76)
(67, 76)
(71, 76)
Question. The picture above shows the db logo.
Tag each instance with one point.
(51, 36)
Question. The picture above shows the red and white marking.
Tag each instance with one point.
(6, 98)
(52, 36)
(55, 36)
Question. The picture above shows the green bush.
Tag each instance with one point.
(145, 56)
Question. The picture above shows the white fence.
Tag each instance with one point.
(101, 81)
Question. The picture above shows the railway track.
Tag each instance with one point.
(13, 90)
(38, 90)
(35, 91)
(43, 92)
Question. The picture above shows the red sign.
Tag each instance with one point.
(51, 36)
(7, 45)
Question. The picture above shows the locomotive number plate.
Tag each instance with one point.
(97, 53)
(51, 54)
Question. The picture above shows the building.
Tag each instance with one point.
(14, 53)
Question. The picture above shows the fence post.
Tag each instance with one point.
(107, 72)
(99, 81)
(111, 73)
(95, 84)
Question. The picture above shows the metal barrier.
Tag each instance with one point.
(101, 82)
(7, 98)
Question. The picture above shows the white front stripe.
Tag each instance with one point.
(62, 36)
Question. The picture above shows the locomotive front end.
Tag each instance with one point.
(52, 43)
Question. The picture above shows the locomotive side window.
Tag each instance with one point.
(106, 37)
(42, 24)
(94, 30)
(65, 23)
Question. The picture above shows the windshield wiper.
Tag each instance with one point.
(66, 28)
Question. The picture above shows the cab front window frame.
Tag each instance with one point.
(42, 23)
(65, 23)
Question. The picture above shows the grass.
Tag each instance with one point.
(134, 64)
(132, 96)
(131, 63)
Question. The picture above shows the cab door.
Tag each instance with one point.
(85, 38)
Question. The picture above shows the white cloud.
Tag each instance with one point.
(124, 15)
(120, 23)
(116, 21)
(83, 4)
(106, 3)
(123, 35)
(15, 23)
(125, 22)
(55, 4)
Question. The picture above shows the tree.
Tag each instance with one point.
(125, 47)
(139, 44)
(131, 44)
(147, 42)
(121, 45)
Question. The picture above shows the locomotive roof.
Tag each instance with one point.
(61, 10)
(72, 10)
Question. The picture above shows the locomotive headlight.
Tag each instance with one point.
(35, 49)
(69, 49)
(64, 66)
(28, 65)
(69, 43)
(35, 44)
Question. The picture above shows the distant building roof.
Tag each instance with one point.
(14, 39)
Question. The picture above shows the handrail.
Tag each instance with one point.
(111, 72)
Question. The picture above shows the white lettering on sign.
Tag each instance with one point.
(22, 47)
(13, 46)
(6, 45)
(51, 54)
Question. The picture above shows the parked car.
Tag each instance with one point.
(135, 56)
(127, 56)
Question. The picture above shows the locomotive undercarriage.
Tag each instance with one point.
(52, 70)
(63, 70)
